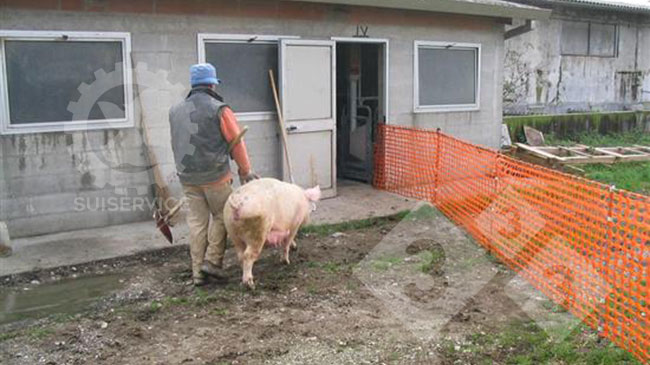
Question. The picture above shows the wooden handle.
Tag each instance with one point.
(283, 130)
(161, 189)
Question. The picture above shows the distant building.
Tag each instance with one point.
(591, 55)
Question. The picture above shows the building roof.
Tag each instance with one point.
(490, 8)
(635, 5)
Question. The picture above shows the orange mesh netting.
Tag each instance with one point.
(582, 243)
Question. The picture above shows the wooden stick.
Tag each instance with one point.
(163, 194)
(283, 130)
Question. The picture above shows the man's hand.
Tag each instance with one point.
(244, 179)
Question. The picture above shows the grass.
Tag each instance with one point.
(200, 298)
(385, 263)
(322, 230)
(8, 335)
(632, 176)
(598, 140)
(525, 343)
(34, 333)
(331, 267)
(430, 258)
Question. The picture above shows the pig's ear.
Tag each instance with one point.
(313, 194)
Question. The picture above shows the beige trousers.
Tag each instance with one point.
(207, 239)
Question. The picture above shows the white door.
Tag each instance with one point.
(308, 87)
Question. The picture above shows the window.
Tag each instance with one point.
(243, 63)
(589, 39)
(446, 76)
(43, 75)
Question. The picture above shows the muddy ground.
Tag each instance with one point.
(317, 310)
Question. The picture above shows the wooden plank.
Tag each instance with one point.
(625, 158)
(534, 137)
(636, 151)
(581, 154)
(587, 160)
(576, 151)
(645, 149)
(608, 152)
(539, 152)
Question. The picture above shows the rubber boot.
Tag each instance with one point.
(212, 270)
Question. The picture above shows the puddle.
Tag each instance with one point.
(67, 296)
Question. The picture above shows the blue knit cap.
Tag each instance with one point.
(203, 74)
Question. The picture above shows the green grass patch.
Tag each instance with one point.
(39, 333)
(329, 266)
(526, 343)
(385, 263)
(598, 140)
(425, 211)
(200, 298)
(328, 229)
(430, 258)
(220, 311)
(34, 333)
(632, 176)
(8, 335)
(333, 267)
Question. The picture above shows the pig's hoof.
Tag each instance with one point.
(294, 247)
(250, 284)
(287, 261)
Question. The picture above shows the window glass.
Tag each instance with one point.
(447, 76)
(43, 77)
(575, 38)
(602, 40)
(244, 71)
(588, 39)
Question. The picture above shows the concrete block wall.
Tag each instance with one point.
(44, 175)
(539, 79)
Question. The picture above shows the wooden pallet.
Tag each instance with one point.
(582, 154)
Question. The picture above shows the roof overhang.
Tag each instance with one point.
(489, 8)
(613, 5)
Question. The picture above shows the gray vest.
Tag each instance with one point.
(200, 150)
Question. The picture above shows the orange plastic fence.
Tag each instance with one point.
(584, 244)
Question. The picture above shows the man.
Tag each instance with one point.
(205, 134)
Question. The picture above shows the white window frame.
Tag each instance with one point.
(417, 108)
(81, 125)
(204, 38)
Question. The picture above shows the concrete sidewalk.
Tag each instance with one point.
(354, 201)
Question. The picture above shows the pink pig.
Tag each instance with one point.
(266, 211)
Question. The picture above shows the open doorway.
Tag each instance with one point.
(361, 105)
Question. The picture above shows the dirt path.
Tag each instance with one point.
(321, 309)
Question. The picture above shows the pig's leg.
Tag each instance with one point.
(250, 255)
(290, 244)
(240, 247)
(246, 261)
